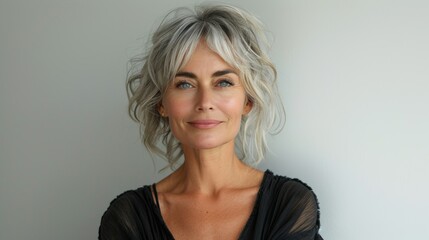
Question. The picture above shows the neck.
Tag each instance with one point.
(208, 171)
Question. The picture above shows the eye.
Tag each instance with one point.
(183, 85)
(225, 83)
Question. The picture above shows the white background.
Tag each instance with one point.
(354, 77)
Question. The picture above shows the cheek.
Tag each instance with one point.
(233, 105)
(175, 107)
(233, 111)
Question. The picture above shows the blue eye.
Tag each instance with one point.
(183, 85)
(225, 83)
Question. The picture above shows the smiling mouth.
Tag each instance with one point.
(205, 124)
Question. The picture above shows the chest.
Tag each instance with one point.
(207, 218)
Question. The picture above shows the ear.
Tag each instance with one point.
(161, 110)
(247, 107)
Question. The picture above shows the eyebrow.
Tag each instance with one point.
(215, 74)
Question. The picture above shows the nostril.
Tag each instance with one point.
(205, 108)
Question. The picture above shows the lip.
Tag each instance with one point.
(205, 124)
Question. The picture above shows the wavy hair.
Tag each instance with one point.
(235, 35)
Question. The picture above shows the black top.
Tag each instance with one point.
(285, 209)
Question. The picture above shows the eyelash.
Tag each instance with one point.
(181, 83)
(230, 84)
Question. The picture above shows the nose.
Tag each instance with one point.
(204, 100)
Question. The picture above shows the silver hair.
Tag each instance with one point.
(239, 38)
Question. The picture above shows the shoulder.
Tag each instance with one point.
(123, 214)
(282, 186)
(294, 187)
(128, 201)
(292, 202)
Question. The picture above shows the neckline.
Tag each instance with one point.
(245, 227)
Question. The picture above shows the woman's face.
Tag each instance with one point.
(205, 101)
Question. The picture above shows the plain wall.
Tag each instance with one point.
(353, 76)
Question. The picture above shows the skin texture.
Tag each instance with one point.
(212, 195)
(205, 101)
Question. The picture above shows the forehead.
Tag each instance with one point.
(204, 58)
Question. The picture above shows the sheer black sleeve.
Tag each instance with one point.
(298, 212)
(287, 209)
(118, 222)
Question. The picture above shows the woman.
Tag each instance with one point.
(207, 91)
